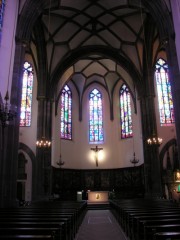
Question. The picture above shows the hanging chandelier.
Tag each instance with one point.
(43, 143)
(154, 141)
(134, 160)
(60, 163)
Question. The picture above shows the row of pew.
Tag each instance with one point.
(148, 219)
(43, 220)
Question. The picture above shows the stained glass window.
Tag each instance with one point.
(126, 113)
(96, 134)
(165, 101)
(26, 98)
(2, 8)
(66, 113)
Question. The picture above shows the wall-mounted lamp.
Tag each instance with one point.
(177, 175)
(96, 150)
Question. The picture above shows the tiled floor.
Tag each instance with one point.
(100, 225)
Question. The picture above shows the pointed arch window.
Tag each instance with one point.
(166, 109)
(26, 98)
(2, 8)
(66, 113)
(125, 112)
(96, 133)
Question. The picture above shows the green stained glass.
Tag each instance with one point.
(66, 112)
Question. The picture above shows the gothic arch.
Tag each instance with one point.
(31, 155)
(164, 150)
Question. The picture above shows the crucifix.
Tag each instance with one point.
(96, 150)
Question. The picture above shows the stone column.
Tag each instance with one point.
(175, 85)
(153, 186)
(10, 134)
(43, 154)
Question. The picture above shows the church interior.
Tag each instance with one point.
(90, 105)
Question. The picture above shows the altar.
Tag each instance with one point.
(98, 196)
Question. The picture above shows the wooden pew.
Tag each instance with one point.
(68, 224)
(60, 233)
(35, 231)
(162, 221)
(65, 217)
(150, 230)
(133, 215)
(138, 226)
(122, 208)
(167, 235)
(71, 213)
(130, 214)
(24, 237)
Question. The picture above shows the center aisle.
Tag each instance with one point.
(101, 225)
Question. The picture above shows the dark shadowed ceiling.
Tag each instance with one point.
(100, 40)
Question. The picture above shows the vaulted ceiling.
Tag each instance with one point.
(93, 40)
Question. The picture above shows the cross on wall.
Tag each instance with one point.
(96, 150)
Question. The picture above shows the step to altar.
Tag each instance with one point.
(91, 205)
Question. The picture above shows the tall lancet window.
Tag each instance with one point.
(166, 109)
(96, 133)
(2, 8)
(26, 98)
(125, 112)
(66, 113)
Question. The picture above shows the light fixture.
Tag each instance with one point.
(60, 163)
(96, 150)
(43, 143)
(134, 160)
(177, 175)
(154, 140)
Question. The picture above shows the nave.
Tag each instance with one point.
(123, 219)
(100, 224)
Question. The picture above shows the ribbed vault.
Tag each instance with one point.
(102, 40)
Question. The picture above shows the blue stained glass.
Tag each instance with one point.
(26, 97)
(2, 8)
(66, 113)
(166, 109)
(125, 112)
(96, 133)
